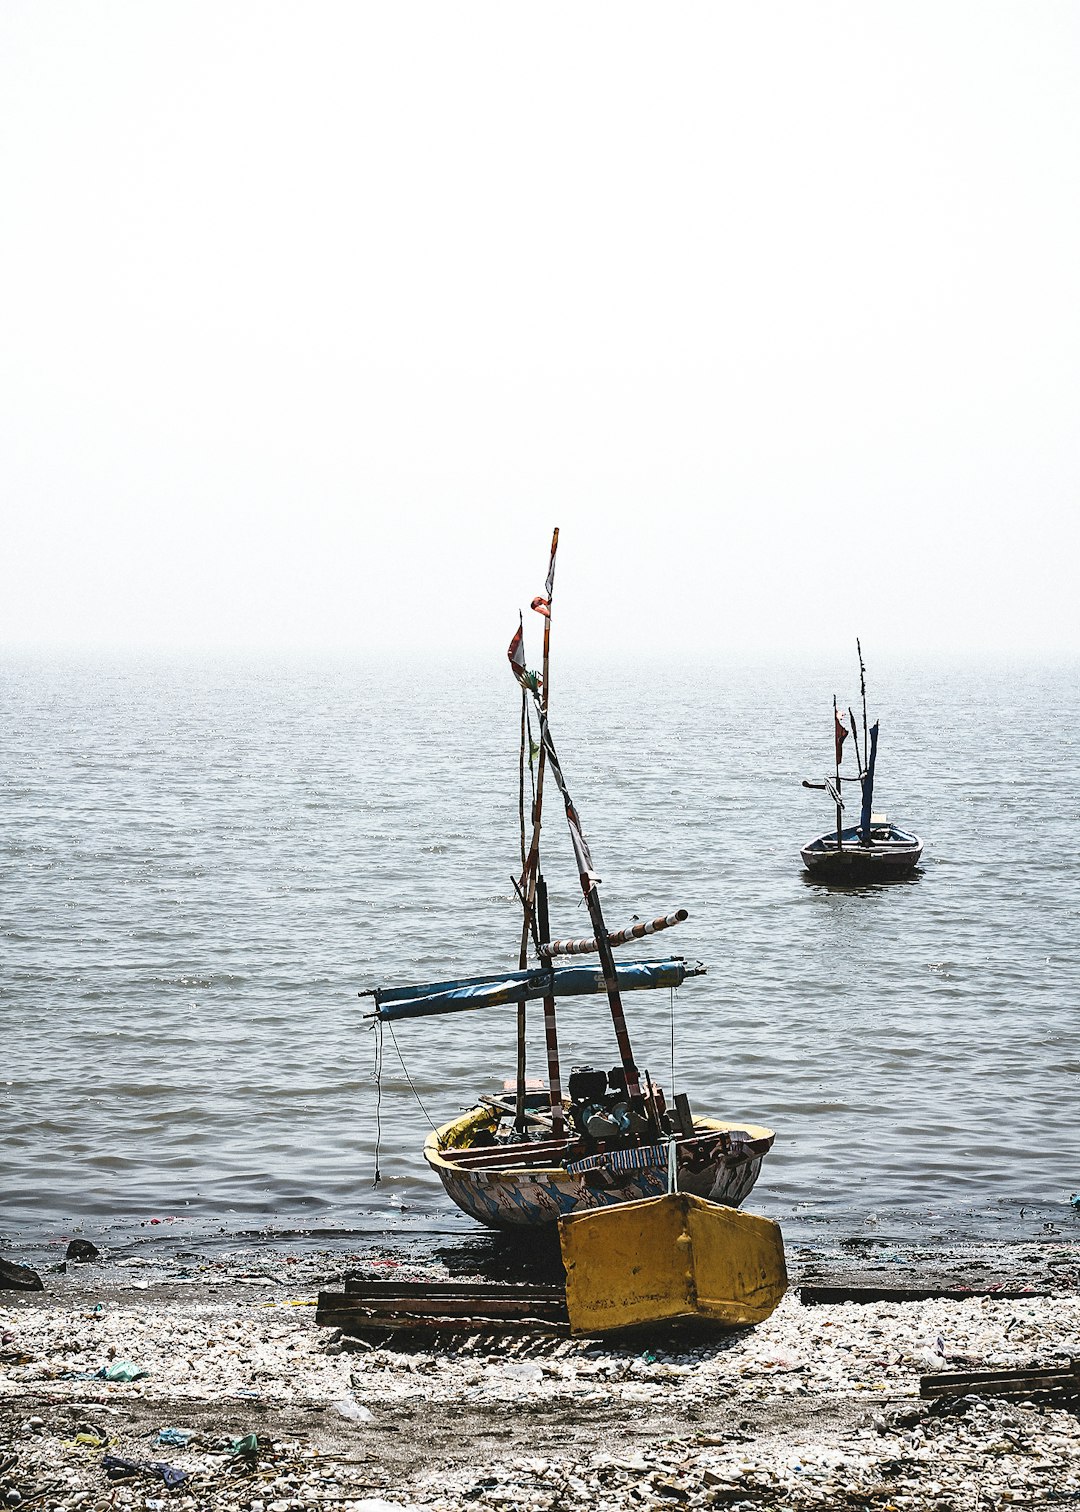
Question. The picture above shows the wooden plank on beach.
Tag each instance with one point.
(363, 1313)
(362, 1286)
(1039, 1382)
(817, 1295)
(449, 1307)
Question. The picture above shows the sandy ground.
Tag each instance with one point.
(816, 1408)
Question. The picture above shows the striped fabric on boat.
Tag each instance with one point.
(637, 1159)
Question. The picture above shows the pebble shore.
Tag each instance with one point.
(238, 1391)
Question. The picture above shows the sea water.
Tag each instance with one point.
(203, 861)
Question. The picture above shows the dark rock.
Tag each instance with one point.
(81, 1250)
(19, 1277)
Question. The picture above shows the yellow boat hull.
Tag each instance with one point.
(672, 1257)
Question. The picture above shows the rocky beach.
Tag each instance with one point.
(202, 1380)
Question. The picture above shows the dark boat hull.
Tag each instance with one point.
(892, 852)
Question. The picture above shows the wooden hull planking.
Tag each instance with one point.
(881, 860)
(720, 1170)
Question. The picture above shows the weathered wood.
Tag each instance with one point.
(813, 1295)
(508, 1106)
(427, 1308)
(1036, 1381)
(538, 1152)
(361, 1286)
(683, 1115)
(618, 937)
(449, 1307)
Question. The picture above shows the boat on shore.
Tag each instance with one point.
(530, 1158)
(506, 1186)
(875, 849)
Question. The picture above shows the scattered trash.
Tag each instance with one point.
(122, 1370)
(176, 1437)
(353, 1411)
(745, 1419)
(117, 1468)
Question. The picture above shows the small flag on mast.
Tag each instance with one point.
(516, 655)
(549, 583)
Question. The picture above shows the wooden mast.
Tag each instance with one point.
(864, 772)
(530, 875)
(836, 747)
(589, 881)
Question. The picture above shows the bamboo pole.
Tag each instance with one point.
(620, 937)
(531, 861)
(836, 752)
(551, 1037)
(589, 882)
(855, 738)
(519, 1120)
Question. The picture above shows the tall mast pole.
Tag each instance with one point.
(532, 860)
(836, 745)
(589, 881)
(530, 875)
(862, 689)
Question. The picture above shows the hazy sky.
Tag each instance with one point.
(317, 316)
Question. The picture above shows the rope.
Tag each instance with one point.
(409, 1079)
(377, 1026)
(673, 1158)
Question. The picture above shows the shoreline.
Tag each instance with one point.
(816, 1407)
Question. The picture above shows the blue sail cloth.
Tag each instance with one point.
(868, 787)
(520, 986)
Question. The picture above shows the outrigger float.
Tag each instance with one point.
(532, 1159)
(876, 849)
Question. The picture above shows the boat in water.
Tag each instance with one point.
(875, 849)
(531, 1157)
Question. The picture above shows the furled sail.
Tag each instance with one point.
(520, 986)
(868, 788)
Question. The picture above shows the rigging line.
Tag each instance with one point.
(377, 1026)
(409, 1079)
(671, 996)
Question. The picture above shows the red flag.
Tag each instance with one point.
(516, 654)
(841, 736)
(542, 606)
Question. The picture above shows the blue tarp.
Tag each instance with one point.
(520, 986)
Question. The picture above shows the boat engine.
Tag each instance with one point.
(599, 1106)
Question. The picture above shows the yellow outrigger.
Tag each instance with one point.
(671, 1258)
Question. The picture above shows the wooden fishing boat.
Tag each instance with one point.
(890, 852)
(509, 1187)
(876, 849)
(527, 1160)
